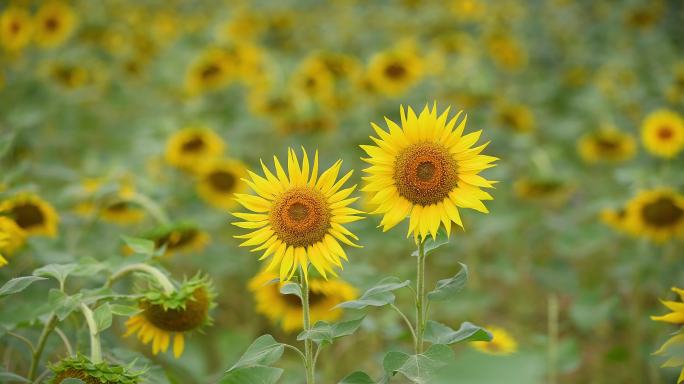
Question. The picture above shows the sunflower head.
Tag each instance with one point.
(15, 28)
(394, 72)
(425, 169)
(615, 218)
(31, 213)
(606, 145)
(662, 133)
(542, 188)
(81, 368)
(657, 214)
(502, 343)
(677, 308)
(179, 238)
(298, 217)
(12, 237)
(213, 70)
(516, 117)
(112, 201)
(191, 146)
(219, 180)
(69, 76)
(55, 21)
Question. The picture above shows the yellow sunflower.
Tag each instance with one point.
(615, 218)
(662, 133)
(314, 80)
(507, 52)
(426, 169)
(218, 180)
(167, 316)
(516, 117)
(394, 72)
(15, 28)
(298, 217)
(211, 71)
(55, 21)
(180, 238)
(32, 214)
(606, 145)
(115, 207)
(657, 214)
(189, 147)
(69, 75)
(286, 310)
(677, 308)
(11, 238)
(502, 343)
(538, 188)
(673, 347)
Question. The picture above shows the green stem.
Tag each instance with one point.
(407, 321)
(161, 278)
(420, 298)
(95, 348)
(38, 352)
(308, 344)
(553, 338)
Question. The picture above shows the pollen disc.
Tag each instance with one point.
(300, 217)
(425, 173)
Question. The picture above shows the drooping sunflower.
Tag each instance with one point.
(189, 147)
(606, 145)
(172, 316)
(115, 207)
(286, 310)
(219, 180)
(179, 238)
(394, 72)
(673, 348)
(31, 213)
(213, 70)
(11, 238)
(502, 343)
(54, 23)
(656, 214)
(15, 28)
(81, 368)
(298, 217)
(662, 133)
(426, 169)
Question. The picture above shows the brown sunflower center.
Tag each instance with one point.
(15, 27)
(195, 144)
(51, 24)
(300, 217)
(662, 212)
(118, 207)
(179, 319)
(395, 71)
(222, 181)
(425, 173)
(665, 133)
(607, 144)
(177, 239)
(27, 215)
(296, 302)
(210, 71)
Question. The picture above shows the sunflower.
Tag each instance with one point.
(11, 238)
(426, 170)
(314, 80)
(15, 28)
(615, 218)
(674, 347)
(189, 147)
(662, 133)
(516, 117)
(115, 207)
(55, 21)
(31, 213)
(218, 180)
(394, 72)
(68, 75)
(657, 214)
(82, 369)
(502, 343)
(506, 51)
(540, 188)
(211, 71)
(298, 217)
(286, 310)
(606, 145)
(179, 238)
(166, 316)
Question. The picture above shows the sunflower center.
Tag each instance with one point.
(51, 24)
(179, 319)
(665, 133)
(195, 144)
(662, 212)
(222, 181)
(27, 215)
(120, 206)
(607, 144)
(300, 217)
(425, 173)
(177, 239)
(15, 27)
(395, 71)
(210, 71)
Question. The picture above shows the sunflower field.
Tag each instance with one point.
(341, 192)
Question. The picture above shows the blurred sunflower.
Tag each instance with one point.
(394, 72)
(31, 213)
(314, 80)
(673, 348)
(218, 180)
(615, 218)
(502, 343)
(179, 238)
(657, 214)
(189, 147)
(69, 75)
(541, 188)
(506, 51)
(516, 117)
(606, 145)
(15, 28)
(286, 310)
(14, 236)
(165, 316)
(114, 206)
(468, 10)
(213, 70)
(54, 23)
(675, 93)
(298, 217)
(677, 308)
(662, 133)
(426, 170)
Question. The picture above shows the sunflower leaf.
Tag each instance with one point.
(438, 333)
(378, 295)
(419, 369)
(141, 246)
(103, 317)
(62, 304)
(18, 284)
(57, 271)
(447, 288)
(291, 289)
(124, 310)
(9, 377)
(357, 377)
(432, 245)
(260, 374)
(265, 350)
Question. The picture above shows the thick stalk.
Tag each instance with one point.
(95, 348)
(420, 298)
(308, 344)
(38, 352)
(163, 281)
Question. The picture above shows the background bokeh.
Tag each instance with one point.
(102, 100)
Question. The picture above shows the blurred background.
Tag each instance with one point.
(139, 118)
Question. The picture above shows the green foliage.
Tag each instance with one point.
(357, 378)
(421, 368)
(377, 296)
(324, 332)
(291, 289)
(140, 246)
(102, 372)
(438, 333)
(254, 365)
(18, 284)
(447, 288)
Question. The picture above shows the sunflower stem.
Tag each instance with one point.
(420, 297)
(95, 348)
(38, 352)
(308, 344)
(161, 278)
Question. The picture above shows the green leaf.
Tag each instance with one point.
(422, 368)
(346, 328)
(139, 245)
(18, 284)
(103, 317)
(431, 245)
(62, 303)
(291, 289)
(378, 295)
(265, 350)
(438, 333)
(447, 288)
(57, 271)
(124, 310)
(323, 331)
(357, 377)
(258, 374)
(9, 377)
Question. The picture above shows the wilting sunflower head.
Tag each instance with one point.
(219, 180)
(31, 213)
(191, 146)
(657, 214)
(394, 72)
(286, 310)
(298, 217)
(15, 28)
(212, 70)
(179, 238)
(54, 23)
(606, 145)
(662, 133)
(81, 368)
(164, 316)
(425, 169)
(502, 343)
